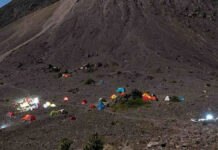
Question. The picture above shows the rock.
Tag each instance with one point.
(185, 144)
(152, 144)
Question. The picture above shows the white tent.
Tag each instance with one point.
(167, 98)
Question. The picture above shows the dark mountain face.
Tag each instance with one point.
(19, 8)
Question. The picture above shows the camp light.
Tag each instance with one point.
(4, 126)
(209, 117)
(53, 105)
(27, 104)
(36, 100)
(49, 104)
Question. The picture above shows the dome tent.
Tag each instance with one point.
(101, 106)
(29, 118)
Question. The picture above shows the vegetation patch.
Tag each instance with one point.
(94, 143)
(132, 100)
(174, 99)
(89, 81)
(65, 144)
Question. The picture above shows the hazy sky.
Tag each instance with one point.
(4, 2)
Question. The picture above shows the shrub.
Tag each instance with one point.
(89, 81)
(66, 71)
(59, 75)
(65, 144)
(50, 66)
(174, 99)
(129, 103)
(95, 143)
(136, 94)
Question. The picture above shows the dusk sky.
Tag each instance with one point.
(4, 2)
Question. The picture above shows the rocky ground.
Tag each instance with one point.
(164, 47)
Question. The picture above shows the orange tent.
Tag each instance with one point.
(92, 106)
(27, 100)
(147, 97)
(122, 94)
(29, 118)
(113, 96)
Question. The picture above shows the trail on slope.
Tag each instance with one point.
(56, 19)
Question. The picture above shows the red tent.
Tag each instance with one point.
(72, 118)
(10, 114)
(29, 118)
(92, 106)
(65, 75)
(83, 102)
(66, 99)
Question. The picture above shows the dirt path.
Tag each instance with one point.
(56, 19)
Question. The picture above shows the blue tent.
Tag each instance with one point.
(101, 106)
(120, 90)
(101, 81)
(181, 98)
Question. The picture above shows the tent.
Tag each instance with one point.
(72, 118)
(53, 112)
(10, 114)
(120, 90)
(27, 100)
(181, 98)
(29, 118)
(92, 106)
(122, 94)
(102, 99)
(101, 81)
(113, 96)
(66, 99)
(147, 97)
(167, 98)
(65, 75)
(83, 102)
(101, 106)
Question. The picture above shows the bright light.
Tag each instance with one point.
(209, 117)
(45, 106)
(48, 104)
(53, 105)
(4, 126)
(27, 104)
(36, 100)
